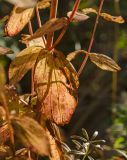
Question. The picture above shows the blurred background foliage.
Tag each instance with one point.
(102, 95)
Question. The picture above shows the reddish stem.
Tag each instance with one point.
(92, 39)
(53, 12)
(75, 8)
(38, 17)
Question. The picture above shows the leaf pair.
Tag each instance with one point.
(106, 16)
(56, 83)
(102, 61)
(83, 15)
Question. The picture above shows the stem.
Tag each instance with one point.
(38, 17)
(32, 74)
(53, 12)
(92, 38)
(115, 54)
(3, 97)
(75, 8)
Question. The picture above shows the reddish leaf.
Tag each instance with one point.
(56, 82)
(17, 21)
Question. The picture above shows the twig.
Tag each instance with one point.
(53, 12)
(38, 17)
(115, 54)
(32, 74)
(92, 39)
(75, 8)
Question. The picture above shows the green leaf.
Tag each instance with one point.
(85, 133)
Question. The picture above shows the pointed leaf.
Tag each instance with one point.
(31, 134)
(84, 132)
(106, 16)
(94, 135)
(104, 62)
(79, 138)
(57, 98)
(23, 62)
(50, 26)
(121, 152)
(78, 17)
(116, 19)
(17, 20)
(4, 50)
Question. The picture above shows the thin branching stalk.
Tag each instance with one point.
(32, 74)
(92, 38)
(53, 13)
(3, 97)
(115, 54)
(38, 17)
(75, 8)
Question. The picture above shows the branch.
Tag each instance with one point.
(92, 39)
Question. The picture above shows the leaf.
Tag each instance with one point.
(23, 62)
(31, 134)
(78, 17)
(56, 154)
(89, 10)
(108, 17)
(56, 83)
(121, 152)
(84, 132)
(17, 20)
(74, 54)
(34, 42)
(43, 4)
(23, 3)
(94, 135)
(4, 50)
(50, 26)
(104, 62)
